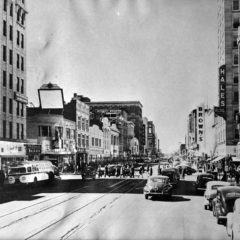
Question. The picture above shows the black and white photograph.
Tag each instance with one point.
(119, 120)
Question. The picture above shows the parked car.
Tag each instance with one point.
(158, 186)
(202, 180)
(89, 172)
(233, 221)
(189, 170)
(173, 174)
(224, 201)
(211, 192)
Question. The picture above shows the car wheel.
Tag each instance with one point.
(146, 196)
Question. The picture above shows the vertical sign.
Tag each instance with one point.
(200, 123)
(222, 87)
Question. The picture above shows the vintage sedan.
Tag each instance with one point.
(158, 186)
(224, 201)
(89, 172)
(173, 174)
(233, 221)
(202, 180)
(211, 192)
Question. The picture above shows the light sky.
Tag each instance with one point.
(160, 52)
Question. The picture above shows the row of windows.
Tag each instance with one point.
(83, 124)
(235, 5)
(9, 133)
(96, 142)
(20, 14)
(11, 58)
(19, 85)
(46, 131)
(83, 140)
(19, 109)
(20, 36)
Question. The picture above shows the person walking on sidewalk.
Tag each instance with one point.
(106, 170)
(150, 171)
(237, 176)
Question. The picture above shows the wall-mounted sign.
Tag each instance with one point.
(21, 98)
(222, 91)
(200, 124)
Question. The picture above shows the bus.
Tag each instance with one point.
(32, 172)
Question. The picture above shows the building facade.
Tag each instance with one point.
(228, 61)
(13, 96)
(152, 142)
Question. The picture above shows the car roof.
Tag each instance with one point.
(159, 177)
(228, 189)
(211, 183)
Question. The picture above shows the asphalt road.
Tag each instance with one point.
(104, 209)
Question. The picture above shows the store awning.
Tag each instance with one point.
(217, 159)
(235, 159)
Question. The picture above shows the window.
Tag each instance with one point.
(235, 5)
(44, 131)
(92, 141)
(11, 10)
(96, 142)
(22, 63)
(10, 81)
(4, 28)
(4, 128)
(235, 77)
(22, 131)
(4, 53)
(234, 43)
(18, 106)
(149, 130)
(10, 105)
(22, 109)
(22, 40)
(79, 140)
(22, 86)
(87, 141)
(235, 22)
(18, 14)
(99, 142)
(18, 37)
(87, 126)
(235, 59)
(58, 133)
(5, 5)
(235, 97)
(4, 103)
(79, 122)
(83, 124)
(10, 130)
(10, 56)
(68, 133)
(112, 139)
(83, 140)
(18, 129)
(18, 61)
(10, 32)
(4, 78)
(18, 84)
(23, 18)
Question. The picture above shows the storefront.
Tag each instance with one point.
(11, 152)
(33, 151)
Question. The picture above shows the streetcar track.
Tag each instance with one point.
(78, 209)
(21, 209)
(82, 226)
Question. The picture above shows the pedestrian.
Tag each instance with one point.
(183, 173)
(121, 171)
(237, 176)
(132, 171)
(224, 177)
(151, 171)
(106, 170)
(140, 171)
(159, 170)
(2, 178)
(148, 168)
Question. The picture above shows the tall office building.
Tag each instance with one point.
(228, 22)
(13, 98)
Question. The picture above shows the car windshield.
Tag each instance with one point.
(214, 187)
(17, 170)
(158, 180)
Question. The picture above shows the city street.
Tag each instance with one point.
(105, 209)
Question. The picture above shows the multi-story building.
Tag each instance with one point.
(78, 111)
(228, 61)
(145, 135)
(13, 96)
(48, 126)
(152, 144)
(133, 110)
(114, 140)
(96, 151)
